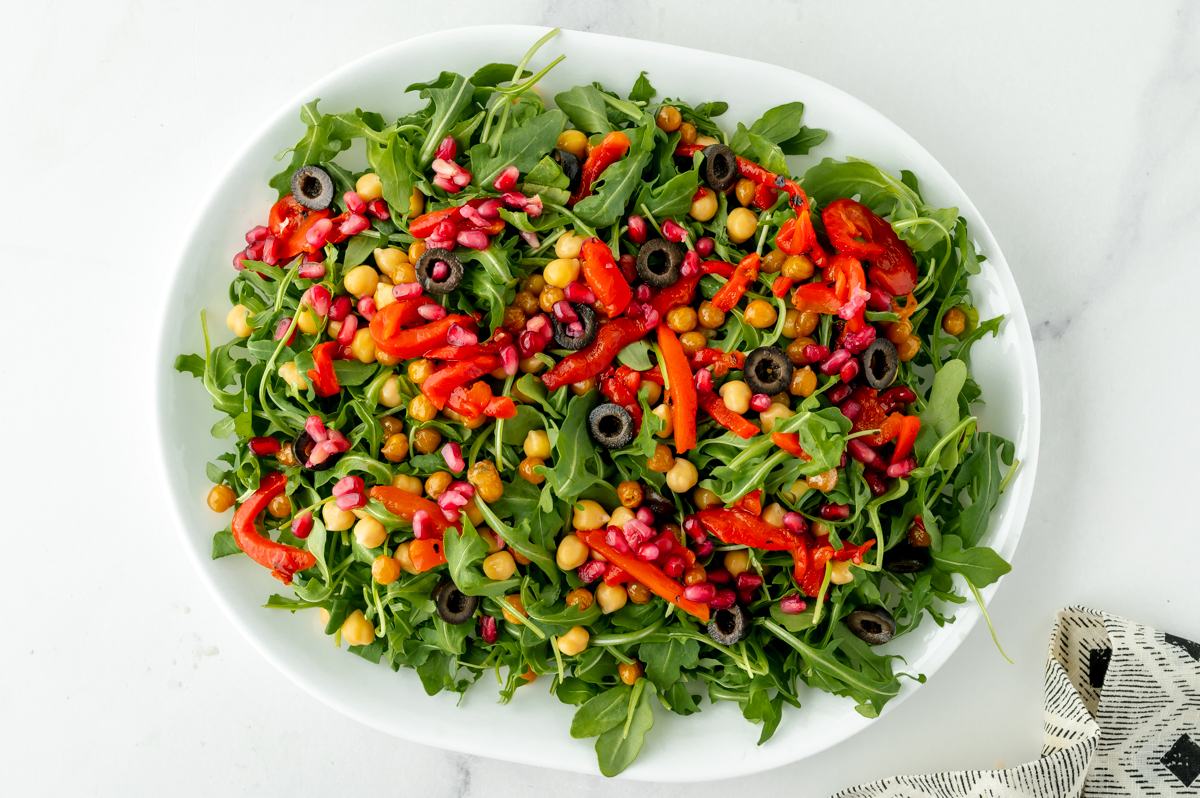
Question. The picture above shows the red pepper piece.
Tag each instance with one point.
(781, 286)
(854, 295)
(751, 503)
(856, 231)
(814, 574)
(404, 505)
(738, 527)
(324, 378)
(721, 361)
(405, 312)
(500, 407)
(289, 222)
(847, 221)
(853, 553)
(872, 416)
(416, 342)
(688, 150)
(800, 556)
(604, 277)
(765, 197)
(597, 356)
(471, 401)
(603, 155)
(284, 561)
(790, 443)
(817, 297)
(440, 384)
(909, 428)
(424, 225)
(616, 576)
(498, 341)
(683, 390)
(717, 267)
(681, 292)
(728, 295)
(654, 375)
(648, 574)
(617, 388)
(426, 554)
(734, 422)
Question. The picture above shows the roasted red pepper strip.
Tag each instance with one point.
(406, 312)
(440, 384)
(738, 527)
(426, 554)
(721, 361)
(615, 576)
(800, 556)
(814, 574)
(728, 295)
(854, 301)
(284, 561)
(909, 428)
(654, 375)
(681, 292)
(734, 422)
(717, 267)
(597, 356)
(648, 574)
(424, 225)
(817, 297)
(688, 150)
(499, 340)
(853, 553)
(892, 264)
(603, 155)
(683, 389)
(622, 389)
(289, 222)
(751, 503)
(501, 407)
(324, 378)
(404, 505)
(847, 221)
(781, 286)
(418, 341)
(872, 416)
(790, 443)
(604, 277)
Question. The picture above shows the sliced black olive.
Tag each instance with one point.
(587, 317)
(880, 364)
(872, 624)
(768, 370)
(312, 187)
(905, 558)
(658, 262)
(302, 447)
(426, 264)
(570, 166)
(658, 504)
(611, 426)
(720, 169)
(453, 605)
(729, 626)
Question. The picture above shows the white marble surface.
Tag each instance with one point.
(1075, 128)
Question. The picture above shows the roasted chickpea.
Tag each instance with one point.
(395, 448)
(574, 641)
(907, 349)
(783, 398)
(798, 267)
(471, 510)
(363, 346)
(804, 382)
(357, 630)
(653, 392)
(417, 248)
(568, 245)
(692, 342)
(710, 316)
(773, 514)
(638, 593)
(369, 533)
(389, 260)
(437, 483)
(572, 553)
(280, 506)
(426, 440)
(761, 314)
(790, 317)
(536, 444)
(361, 281)
(513, 320)
(561, 272)
(704, 205)
(807, 323)
(391, 425)
(421, 409)
(662, 460)
(610, 597)
(549, 295)
(741, 225)
(285, 456)
(336, 519)
(528, 474)
(403, 557)
(840, 573)
(705, 141)
(389, 395)
(222, 497)
(499, 566)
(588, 514)
(682, 319)
(419, 370)
(772, 262)
(683, 476)
(897, 331)
(620, 517)
(307, 322)
(369, 187)
(574, 142)
(416, 202)
(745, 190)
(796, 491)
(515, 610)
(630, 672)
(766, 418)
(736, 561)
(663, 412)
(668, 119)
(736, 396)
(825, 481)
(954, 322)
(385, 569)
(687, 133)
(580, 597)
(486, 479)
(236, 320)
(527, 302)
(531, 365)
(408, 484)
(534, 284)
(291, 375)
(795, 350)
(583, 386)
(705, 499)
(630, 494)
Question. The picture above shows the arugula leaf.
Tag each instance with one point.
(642, 91)
(759, 148)
(664, 660)
(548, 180)
(224, 545)
(518, 539)
(672, 198)
(464, 555)
(522, 146)
(574, 452)
(190, 364)
(612, 190)
(679, 700)
(315, 147)
(619, 746)
(601, 713)
(781, 125)
(393, 164)
(981, 475)
(447, 102)
(941, 412)
(585, 107)
(491, 75)
(573, 690)
(979, 565)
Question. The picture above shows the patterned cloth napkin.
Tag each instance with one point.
(1122, 718)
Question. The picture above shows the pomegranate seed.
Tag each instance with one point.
(317, 297)
(354, 225)
(862, 452)
(422, 525)
(851, 409)
(760, 402)
(491, 208)
(445, 229)
(509, 360)
(691, 264)
(281, 330)
(447, 149)
(651, 319)
(256, 234)
(591, 570)
(748, 581)
(702, 593)
(339, 441)
(530, 238)
(704, 381)
(538, 323)
(366, 307)
(445, 184)
(302, 526)
(339, 308)
(351, 501)
(354, 203)
(263, 446)
(854, 305)
(743, 596)
(795, 523)
(835, 361)
(665, 543)
(452, 454)
(311, 271)
(487, 629)
(348, 485)
(695, 530)
(645, 515)
(673, 232)
(835, 512)
(564, 312)
(616, 539)
(793, 604)
(255, 250)
(506, 179)
(878, 299)
(452, 514)
(628, 266)
(838, 393)
(431, 312)
(317, 234)
(858, 341)
(379, 209)
(842, 460)
(849, 371)
(458, 335)
(902, 468)
(578, 292)
(704, 549)
(724, 599)
(704, 246)
(239, 260)
(314, 257)
(530, 343)
(316, 429)
(877, 485)
(648, 551)
(643, 293)
(451, 498)
(814, 353)
(406, 290)
(637, 532)
(719, 576)
(473, 239)
(637, 229)
(270, 250)
(575, 329)
(892, 398)
(439, 271)
(674, 566)
(465, 488)
(346, 335)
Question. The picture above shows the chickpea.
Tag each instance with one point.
(369, 533)
(574, 142)
(385, 569)
(897, 331)
(683, 476)
(630, 672)
(620, 517)
(369, 187)
(583, 386)
(741, 225)
(306, 322)
(357, 630)
(548, 296)
(416, 206)
(907, 349)
(335, 518)
(807, 323)
(798, 267)
(437, 483)
(790, 318)
(704, 205)
(761, 314)
(772, 262)
(954, 322)
(663, 412)
(736, 561)
(361, 281)
(499, 566)
(610, 597)
(825, 481)
(426, 440)
(561, 272)
(290, 374)
(404, 557)
(486, 479)
(638, 593)
(531, 365)
(745, 190)
(518, 556)
(421, 409)
(840, 573)
(695, 575)
(395, 448)
(236, 320)
(280, 506)
(391, 425)
(568, 245)
(383, 295)
(705, 499)
(419, 370)
(572, 553)
(471, 510)
(804, 382)
(589, 514)
(796, 491)
(534, 284)
(795, 351)
(221, 498)
(773, 514)
(687, 133)
(705, 141)
(363, 346)
(527, 303)
(285, 456)
(767, 417)
(668, 119)
(580, 597)
(662, 460)
(692, 342)
(408, 484)
(682, 319)
(574, 641)
(389, 260)
(389, 395)
(736, 396)
(537, 444)
(417, 248)
(630, 493)
(653, 392)
(783, 398)
(528, 474)
(710, 316)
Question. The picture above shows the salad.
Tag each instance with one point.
(599, 397)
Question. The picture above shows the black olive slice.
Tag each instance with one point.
(570, 166)
(453, 605)
(659, 505)
(720, 169)
(768, 370)
(302, 447)
(427, 264)
(729, 626)
(872, 624)
(611, 426)
(905, 558)
(879, 364)
(587, 317)
(658, 262)
(312, 187)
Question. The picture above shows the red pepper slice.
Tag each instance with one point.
(751, 503)
(855, 297)
(471, 401)
(817, 297)
(814, 574)
(615, 576)
(654, 375)
(790, 443)
(734, 422)
(909, 428)
(324, 378)
(424, 225)
(728, 295)
(648, 574)
(500, 407)
(738, 527)
(404, 505)
(853, 553)
(440, 384)
(603, 155)
(283, 560)
(604, 277)
(597, 356)
(621, 386)
(765, 197)
(721, 361)
(688, 150)
(498, 341)
(872, 416)
(717, 267)
(426, 554)
(847, 221)
(416, 342)
(683, 390)
(289, 222)
(681, 292)
(892, 264)
(800, 556)
(781, 286)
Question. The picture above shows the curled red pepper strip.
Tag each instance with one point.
(500, 407)
(857, 231)
(817, 297)
(728, 295)
(734, 422)
(765, 197)
(440, 384)
(405, 314)
(688, 150)
(781, 286)
(800, 556)
(854, 294)
(654, 375)
(751, 503)
(324, 378)
(616, 576)
(648, 574)
(790, 443)
(289, 222)
(403, 504)
(283, 560)
(873, 416)
(853, 553)
(603, 155)
(682, 390)
(721, 361)
(909, 427)
(738, 527)
(499, 340)
(622, 389)
(814, 574)
(418, 341)
(424, 225)
(604, 277)
(597, 356)
(681, 292)
(717, 267)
